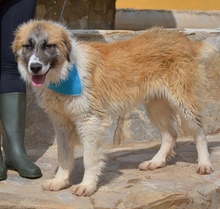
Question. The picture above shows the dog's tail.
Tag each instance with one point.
(209, 48)
(214, 42)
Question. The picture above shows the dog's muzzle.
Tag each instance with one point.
(36, 67)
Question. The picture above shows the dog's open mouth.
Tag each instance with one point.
(38, 80)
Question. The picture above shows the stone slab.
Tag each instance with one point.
(122, 185)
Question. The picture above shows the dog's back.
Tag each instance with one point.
(156, 63)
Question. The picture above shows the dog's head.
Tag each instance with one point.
(42, 50)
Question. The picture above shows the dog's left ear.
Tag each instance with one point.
(68, 47)
(64, 42)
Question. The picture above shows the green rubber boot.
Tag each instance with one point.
(3, 173)
(13, 115)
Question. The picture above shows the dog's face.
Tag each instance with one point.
(42, 50)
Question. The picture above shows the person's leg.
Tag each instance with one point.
(3, 174)
(13, 90)
(12, 13)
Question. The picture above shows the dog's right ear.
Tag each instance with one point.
(15, 48)
(17, 43)
(20, 37)
(16, 57)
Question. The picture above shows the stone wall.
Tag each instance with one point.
(83, 14)
(136, 126)
(130, 19)
(99, 14)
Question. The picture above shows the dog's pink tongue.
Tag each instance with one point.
(38, 80)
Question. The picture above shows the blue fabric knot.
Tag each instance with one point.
(71, 86)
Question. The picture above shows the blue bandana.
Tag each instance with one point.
(71, 86)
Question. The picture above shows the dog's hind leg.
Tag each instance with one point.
(163, 117)
(190, 115)
(91, 132)
(64, 136)
(204, 164)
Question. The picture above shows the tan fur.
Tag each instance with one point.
(162, 69)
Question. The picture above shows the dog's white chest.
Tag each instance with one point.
(62, 104)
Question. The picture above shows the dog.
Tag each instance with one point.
(162, 69)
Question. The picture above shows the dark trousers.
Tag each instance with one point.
(12, 14)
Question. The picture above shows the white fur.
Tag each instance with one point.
(35, 59)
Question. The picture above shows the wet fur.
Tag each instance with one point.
(161, 69)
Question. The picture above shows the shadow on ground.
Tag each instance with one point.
(129, 159)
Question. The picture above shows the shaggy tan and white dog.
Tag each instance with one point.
(162, 69)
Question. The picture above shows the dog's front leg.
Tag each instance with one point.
(91, 133)
(64, 133)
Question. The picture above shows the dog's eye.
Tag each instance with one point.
(48, 46)
(28, 47)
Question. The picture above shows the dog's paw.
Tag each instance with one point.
(83, 189)
(53, 185)
(204, 169)
(151, 165)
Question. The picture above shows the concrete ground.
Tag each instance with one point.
(122, 185)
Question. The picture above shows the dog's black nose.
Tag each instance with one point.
(35, 67)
